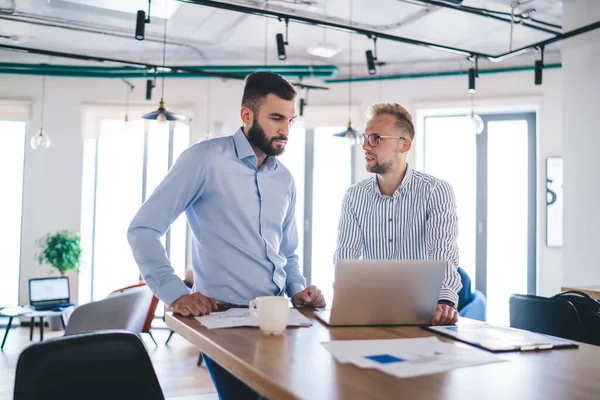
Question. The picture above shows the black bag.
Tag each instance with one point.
(588, 310)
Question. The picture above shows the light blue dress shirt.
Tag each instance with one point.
(242, 220)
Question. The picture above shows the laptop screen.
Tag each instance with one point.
(48, 290)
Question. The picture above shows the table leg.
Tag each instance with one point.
(31, 329)
(6, 332)
(41, 329)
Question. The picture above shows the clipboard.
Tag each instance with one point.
(501, 339)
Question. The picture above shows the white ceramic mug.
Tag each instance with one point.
(272, 313)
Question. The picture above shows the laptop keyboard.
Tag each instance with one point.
(50, 307)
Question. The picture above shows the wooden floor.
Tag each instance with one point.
(175, 364)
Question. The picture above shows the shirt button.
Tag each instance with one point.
(391, 219)
(390, 240)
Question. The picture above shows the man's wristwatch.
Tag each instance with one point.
(448, 303)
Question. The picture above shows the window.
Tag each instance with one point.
(293, 158)
(331, 177)
(497, 247)
(12, 158)
(122, 166)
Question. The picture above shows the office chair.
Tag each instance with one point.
(100, 365)
(471, 304)
(550, 316)
(474, 309)
(126, 310)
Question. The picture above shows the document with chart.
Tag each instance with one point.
(405, 358)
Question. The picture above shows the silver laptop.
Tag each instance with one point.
(385, 292)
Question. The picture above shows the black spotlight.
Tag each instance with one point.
(302, 104)
(371, 63)
(140, 25)
(280, 47)
(539, 68)
(149, 87)
(472, 74)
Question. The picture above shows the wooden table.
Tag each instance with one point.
(592, 291)
(295, 365)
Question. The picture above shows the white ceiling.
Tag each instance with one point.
(200, 35)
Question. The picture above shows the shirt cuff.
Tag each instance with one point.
(293, 289)
(447, 302)
(172, 290)
(448, 296)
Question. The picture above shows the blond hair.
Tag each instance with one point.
(404, 120)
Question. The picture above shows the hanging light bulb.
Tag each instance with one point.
(40, 141)
(161, 118)
(475, 121)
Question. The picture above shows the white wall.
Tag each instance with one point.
(53, 178)
(581, 138)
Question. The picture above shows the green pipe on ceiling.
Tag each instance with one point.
(436, 74)
(300, 71)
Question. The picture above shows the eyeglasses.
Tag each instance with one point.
(374, 138)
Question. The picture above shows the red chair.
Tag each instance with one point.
(151, 310)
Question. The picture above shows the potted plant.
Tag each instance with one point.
(60, 250)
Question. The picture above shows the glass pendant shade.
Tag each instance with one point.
(40, 141)
(476, 121)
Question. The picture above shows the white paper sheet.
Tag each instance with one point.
(405, 358)
(235, 317)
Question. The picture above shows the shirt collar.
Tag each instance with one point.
(405, 182)
(242, 146)
(244, 150)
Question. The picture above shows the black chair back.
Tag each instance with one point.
(99, 365)
(550, 316)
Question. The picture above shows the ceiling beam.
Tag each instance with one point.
(543, 43)
(488, 14)
(84, 57)
(332, 25)
(289, 16)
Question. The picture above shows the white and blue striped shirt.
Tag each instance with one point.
(418, 222)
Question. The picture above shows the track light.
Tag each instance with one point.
(281, 43)
(372, 58)
(141, 21)
(149, 86)
(371, 62)
(472, 74)
(302, 104)
(539, 68)
(280, 47)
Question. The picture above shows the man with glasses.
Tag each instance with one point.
(400, 213)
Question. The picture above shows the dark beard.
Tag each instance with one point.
(380, 169)
(258, 138)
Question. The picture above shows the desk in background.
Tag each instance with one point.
(592, 291)
(13, 312)
(295, 365)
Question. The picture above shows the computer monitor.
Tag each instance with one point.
(49, 291)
